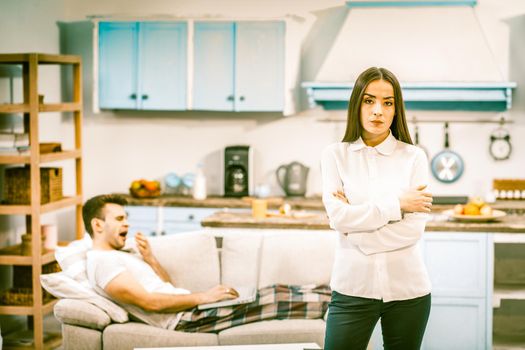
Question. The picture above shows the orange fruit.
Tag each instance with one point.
(151, 185)
(477, 201)
(471, 209)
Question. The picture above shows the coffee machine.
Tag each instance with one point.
(238, 171)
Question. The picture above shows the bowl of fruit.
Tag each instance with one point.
(145, 188)
(476, 210)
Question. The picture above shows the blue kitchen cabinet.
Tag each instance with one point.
(457, 324)
(460, 267)
(213, 85)
(179, 219)
(142, 65)
(118, 65)
(239, 66)
(156, 221)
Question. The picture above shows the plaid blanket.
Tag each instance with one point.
(273, 302)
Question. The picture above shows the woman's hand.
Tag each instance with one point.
(341, 196)
(415, 200)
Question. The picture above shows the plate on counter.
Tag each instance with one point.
(496, 214)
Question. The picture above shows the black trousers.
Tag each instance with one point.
(351, 321)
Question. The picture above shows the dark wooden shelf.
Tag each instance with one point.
(13, 209)
(26, 309)
(25, 158)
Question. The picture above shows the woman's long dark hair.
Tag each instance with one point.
(399, 125)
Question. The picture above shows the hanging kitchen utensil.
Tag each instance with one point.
(500, 147)
(417, 138)
(447, 166)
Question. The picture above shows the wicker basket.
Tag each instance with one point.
(22, 292)
(22, 296)
(17, 189)
(22, 275)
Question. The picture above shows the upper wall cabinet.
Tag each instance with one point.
(142, 65)
(239, 66)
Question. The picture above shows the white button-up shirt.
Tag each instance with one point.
(377, 255)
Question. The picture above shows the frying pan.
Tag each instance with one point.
(447, 166)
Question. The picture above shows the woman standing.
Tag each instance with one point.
(374, 193)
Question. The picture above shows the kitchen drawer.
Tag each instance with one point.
(172, 228)
(146, 228)
(141, 213)
(187, 215)
(142, 219)
(457, 263)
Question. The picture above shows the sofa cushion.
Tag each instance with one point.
(191, 259)
(136, 335)
(275, 332)
(240, 259)
(80, 338)
(81, 313)
(299, 258)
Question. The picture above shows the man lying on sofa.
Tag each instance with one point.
(139, 284)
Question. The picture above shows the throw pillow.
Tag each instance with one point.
(240, 259)
(191, 259)
(72, 259)
(297, 258)
(62, 286)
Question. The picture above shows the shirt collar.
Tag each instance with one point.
(386, 147)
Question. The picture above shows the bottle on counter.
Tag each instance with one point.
(199, 186)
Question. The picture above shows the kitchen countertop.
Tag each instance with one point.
(319, 221)
(308, 203)
(299, 203)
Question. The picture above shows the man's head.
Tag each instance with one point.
(105, 219)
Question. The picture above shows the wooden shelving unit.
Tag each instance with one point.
(509, 292)
(31, 109)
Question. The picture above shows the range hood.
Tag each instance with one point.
(439, 53)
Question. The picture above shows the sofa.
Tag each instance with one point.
(199, 260)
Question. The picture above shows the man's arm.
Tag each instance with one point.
(147, 255)
(126, 289)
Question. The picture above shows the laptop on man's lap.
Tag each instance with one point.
(246, 295)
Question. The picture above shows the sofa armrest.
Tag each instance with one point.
(81, 313)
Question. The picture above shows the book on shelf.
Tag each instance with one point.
(45, 147)
(14, 140)
(19, 151)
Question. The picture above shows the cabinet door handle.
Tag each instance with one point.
(241, 98)
(191, 217)
(145, 97)
(229, 98)
(133, 96)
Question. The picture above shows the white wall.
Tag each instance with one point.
(120, 147)
(152, 144)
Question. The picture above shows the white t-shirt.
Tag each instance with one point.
(104, 265)
(377, 255)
